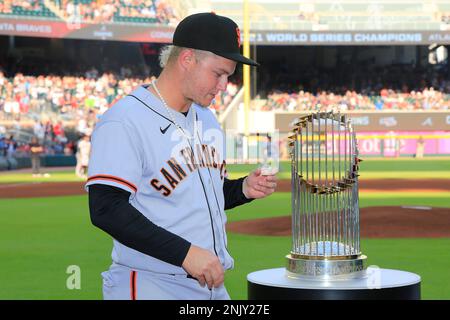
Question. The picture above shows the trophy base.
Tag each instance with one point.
(326, 269)
(380, 284)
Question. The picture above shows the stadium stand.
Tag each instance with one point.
(81, 100)
(338, 15)
(387, 100)
(266, 15)
(56, 95)
(28, 8)
(49, 103)
(224, 98)
(145, 12)
(90, 11)
(390, 87)
(445, 18)
(116, 11)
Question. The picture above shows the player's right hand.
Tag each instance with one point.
(204, 266)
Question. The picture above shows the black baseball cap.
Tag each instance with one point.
(211, 32)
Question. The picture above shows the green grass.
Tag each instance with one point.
(428, 258)
(402, 168)
(374, 165)
(279, 204)
(424, 165)
(55, 176)
(411, 199)
(372, 169)
(41, 237)
(411, 175)
(405, 175)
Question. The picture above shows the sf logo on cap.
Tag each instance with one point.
(238, 32)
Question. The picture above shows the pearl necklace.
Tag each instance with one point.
(172, 117)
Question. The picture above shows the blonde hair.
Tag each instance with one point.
(170, 53)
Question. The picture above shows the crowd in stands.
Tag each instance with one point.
(51, 102)
(223, 99)
(91, 11)
(445, 18)
(78, 101)
(8, 146)
(74, 97)
(388, 88)
(387, 99)
(6, 6)
(135, 11)
(156, 11)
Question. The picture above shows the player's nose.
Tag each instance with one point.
(222, 84)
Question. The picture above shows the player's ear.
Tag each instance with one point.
(186, 59)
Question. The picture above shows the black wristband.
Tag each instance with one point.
(232, 190)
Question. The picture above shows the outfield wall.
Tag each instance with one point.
(406, 143)
(370, 121)
(380, 133)
(157, 33)
(254, 148)
(46, 161)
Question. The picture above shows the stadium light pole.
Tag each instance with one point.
(246, 69)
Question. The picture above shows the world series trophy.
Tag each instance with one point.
(325, 210)
(325, 262)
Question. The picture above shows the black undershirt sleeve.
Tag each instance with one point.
(232, 191)
(111, 212)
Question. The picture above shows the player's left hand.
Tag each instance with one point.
(256, 185)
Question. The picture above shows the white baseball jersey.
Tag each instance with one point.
(175, 184)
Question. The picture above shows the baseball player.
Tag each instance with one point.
(157, 177)
(83, 153)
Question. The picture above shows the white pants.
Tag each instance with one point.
(123, 283)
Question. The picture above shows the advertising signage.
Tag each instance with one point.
(380, 121)
(115, 32)
(163, 34)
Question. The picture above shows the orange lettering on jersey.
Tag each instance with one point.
(156, 184)
(171, 180)
(188, 156)
(213, 155)
(205, 152)
(177, 168)
(184, 154)
(223, 170)
(199, 155)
